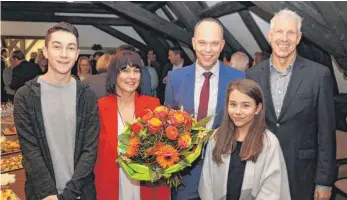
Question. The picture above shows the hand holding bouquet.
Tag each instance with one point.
(161, 144)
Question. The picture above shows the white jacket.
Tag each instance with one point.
(266, 179)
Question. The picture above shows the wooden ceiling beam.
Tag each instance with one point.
(224, 8)
(153, 42)
(168, 13)
(255, 30)
(146, 19)
(73, 7)
(125, 38)
(51, 17)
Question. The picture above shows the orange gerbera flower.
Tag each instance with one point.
(167, 156)
(133, 147)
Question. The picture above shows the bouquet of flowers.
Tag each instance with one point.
(160, 144)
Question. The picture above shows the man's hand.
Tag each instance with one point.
(321, 194)
(165, 79)
(52, 197)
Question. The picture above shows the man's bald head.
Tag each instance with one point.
(208, 42)
(211, 20)
(240, 61)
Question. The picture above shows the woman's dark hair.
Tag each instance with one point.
(120, 61)
(226, 135)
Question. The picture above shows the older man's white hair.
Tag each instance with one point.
(289, 14)
(240, 61)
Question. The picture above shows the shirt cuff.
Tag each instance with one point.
(322, 187)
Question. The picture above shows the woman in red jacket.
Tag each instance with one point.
(122, 106)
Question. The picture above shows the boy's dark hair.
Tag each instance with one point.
(62, 26)
(18, 55)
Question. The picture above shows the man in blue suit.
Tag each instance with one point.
(201, 89)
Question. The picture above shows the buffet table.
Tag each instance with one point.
(18, 186)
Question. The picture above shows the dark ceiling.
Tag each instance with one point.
(324, 26)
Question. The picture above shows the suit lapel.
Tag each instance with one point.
(294, 83)
(264, 82)
(222, 88)
(188, 91)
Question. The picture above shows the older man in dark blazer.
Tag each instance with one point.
(299, 110)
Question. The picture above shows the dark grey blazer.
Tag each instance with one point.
(306, 125)
(97, 83)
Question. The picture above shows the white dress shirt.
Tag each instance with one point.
(128, 189)
(174, 67)
(199, 81)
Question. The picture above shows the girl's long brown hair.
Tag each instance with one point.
(226, 135)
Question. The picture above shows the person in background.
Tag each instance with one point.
(95, 59)
(299, 105)
(151, 61)
(177, 61)
(97, 82)
(33, 56)
(243, 159)
(43, 64)
(23, 70)
(83, 67)
(123, 105)
(58, 142)
(7, 77)
(240, 61)
(154, 80)
(258, 58)
(200, 89)
(4, 56)
(225, 57)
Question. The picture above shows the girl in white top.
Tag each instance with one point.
(243, 160)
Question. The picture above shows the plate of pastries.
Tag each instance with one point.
(8, 194)
(9, 131)
(11, 163)
(9, 146)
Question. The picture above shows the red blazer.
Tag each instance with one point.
(106, 168)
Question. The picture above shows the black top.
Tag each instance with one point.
(236, 172)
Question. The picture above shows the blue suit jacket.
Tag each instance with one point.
(146, 86)
(180, 91)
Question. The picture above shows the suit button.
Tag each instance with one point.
(278, 125)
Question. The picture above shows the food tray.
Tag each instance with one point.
(8, 194)
(9, 153)
(11, 163)
(7, 132)
(13, 170)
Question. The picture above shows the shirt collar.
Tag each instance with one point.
(200, 71)
(289, 69)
